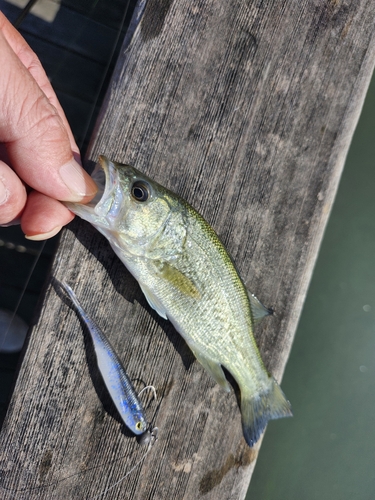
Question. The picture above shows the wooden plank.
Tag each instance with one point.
(246, 109)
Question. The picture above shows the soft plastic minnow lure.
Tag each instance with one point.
(115, 378)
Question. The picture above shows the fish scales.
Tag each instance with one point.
(189, 278)
(222, 298)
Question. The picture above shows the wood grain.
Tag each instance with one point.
(246, 109)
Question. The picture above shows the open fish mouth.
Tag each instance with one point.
(99, 177)
(106, 204)
(104, 176)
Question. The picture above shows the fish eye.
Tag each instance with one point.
(139, 425)
(140, 191)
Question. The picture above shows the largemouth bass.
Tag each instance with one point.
(188, 277)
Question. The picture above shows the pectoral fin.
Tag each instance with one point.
(178, 280)
(258, 309)
(213, 368)
(153, 301)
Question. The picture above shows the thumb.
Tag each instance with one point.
(36, 138)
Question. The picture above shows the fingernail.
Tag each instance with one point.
(14, 222)
(43, 236)
(4, 193)
(77, 181)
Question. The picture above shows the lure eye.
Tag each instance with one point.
(139, 426)
(140, 191)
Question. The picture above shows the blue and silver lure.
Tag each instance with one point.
(115, 378)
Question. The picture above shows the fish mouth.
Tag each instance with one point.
(107, 201)
(104, 176)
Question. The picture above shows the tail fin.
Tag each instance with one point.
(259, 409)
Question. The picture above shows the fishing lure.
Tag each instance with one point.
(115, 378)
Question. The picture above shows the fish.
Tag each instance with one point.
(114, 375)
(187, 277)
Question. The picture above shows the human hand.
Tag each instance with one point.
(37, 147)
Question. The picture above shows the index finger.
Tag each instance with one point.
(31, 61)
(38, 140)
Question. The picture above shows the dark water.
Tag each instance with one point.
(327, 451)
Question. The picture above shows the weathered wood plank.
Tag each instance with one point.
(245, 108)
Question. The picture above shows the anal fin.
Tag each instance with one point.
(258, 310)
(213, 368)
